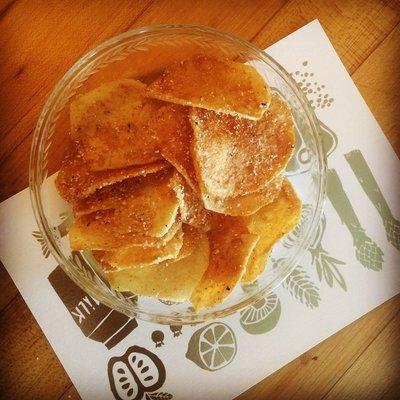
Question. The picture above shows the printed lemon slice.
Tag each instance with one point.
(261, 316)
(212, 347)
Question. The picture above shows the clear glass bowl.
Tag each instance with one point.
(141, 54)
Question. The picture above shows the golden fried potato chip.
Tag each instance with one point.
(245, 204)
(137, 256)
(99, 231)
(111, 126)
(234, 156)
(191, 208)
(145, 206)
(180, 246)
(215, 84)
(173, 121)
(76, 181)
(191, 236)
(169, 280)
(230, 249)
(271, 223)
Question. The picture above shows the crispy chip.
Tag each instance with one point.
(214, 84)
(271, 223)
(179, 246)
(246, 204)
(191, 208)
(111, 125)
(168, 280)
(230, 249)
(234, 156)
(137, 256)
(76, 181)
(191, 236)
(98, 231)
(173, 121)
(145, 206)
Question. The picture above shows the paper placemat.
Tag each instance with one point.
(351, 267)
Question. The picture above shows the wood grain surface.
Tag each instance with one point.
(41, 39)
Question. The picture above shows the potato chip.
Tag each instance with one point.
(137, 256)
(234, 156)
(191, 236)
(191, 208)
(230, 249)
(215, 84)
(145, 206)
(169, 280)
(271, 223)
(246, 204)
(76, 181)
(98, 231)
(173, 121)
(111, 126)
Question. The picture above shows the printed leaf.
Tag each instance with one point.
(40, 239)
(158, 396)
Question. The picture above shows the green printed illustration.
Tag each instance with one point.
(368, 252)
(329, 138)
(158, 396)
(40, 239)
(262, 316)
(301, 158)
(298, 282)
(176, 330)
(315, 92)
(300, 229)
(370, 186)
(66, 219)
(59, 231)
(327, 266)
(137, 375)
(212, 347)
(301, 287)
(168, 302)
(158, 338)
(96, 321)
(250, 288)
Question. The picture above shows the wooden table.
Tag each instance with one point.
(41, 39)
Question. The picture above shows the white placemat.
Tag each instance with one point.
(351, 268)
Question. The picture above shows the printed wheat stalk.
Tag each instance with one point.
(370, 186)
(300, 285)
(368, 252)
(327, 266)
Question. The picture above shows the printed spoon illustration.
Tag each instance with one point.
(370, 186)
(368, 252)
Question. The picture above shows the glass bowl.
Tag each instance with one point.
(141, 54)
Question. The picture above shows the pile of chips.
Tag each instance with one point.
(177, 186)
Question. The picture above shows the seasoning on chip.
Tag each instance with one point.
(177, 186)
